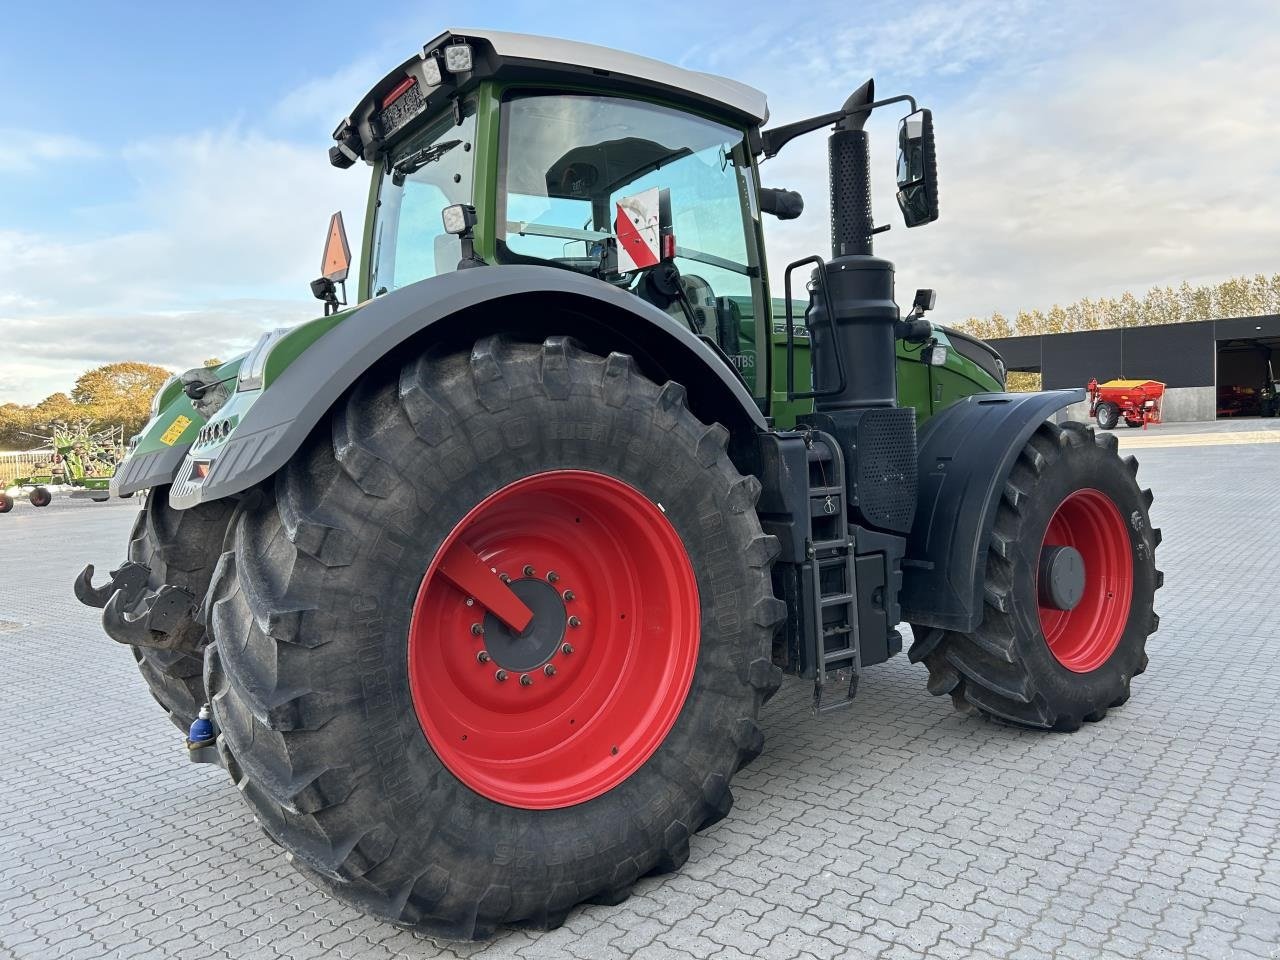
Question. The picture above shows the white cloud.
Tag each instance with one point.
(22, 151)
(321, 102)
(229, 230)
(1135, 160)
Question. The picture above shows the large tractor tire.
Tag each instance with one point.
(419, 759)
(179, 547)
(1070, 584)
(1108, 415)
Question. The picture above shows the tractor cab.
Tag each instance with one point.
(516, 158)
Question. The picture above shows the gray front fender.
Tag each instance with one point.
(965, 455)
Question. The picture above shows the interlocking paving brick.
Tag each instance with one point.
(897, 829)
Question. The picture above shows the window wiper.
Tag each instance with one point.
(420, 158)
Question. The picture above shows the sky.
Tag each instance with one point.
(164, 186)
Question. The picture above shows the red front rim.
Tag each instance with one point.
(1083, 638)
(593, 685)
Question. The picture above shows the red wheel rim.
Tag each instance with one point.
(1082, 639)
(541, 739)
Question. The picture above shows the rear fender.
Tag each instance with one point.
(966, 454)
(457, 308)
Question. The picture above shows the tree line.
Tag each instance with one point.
(1237, 297)
(116, 394)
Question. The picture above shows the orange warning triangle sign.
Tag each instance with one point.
(336, 262)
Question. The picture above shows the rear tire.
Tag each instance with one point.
(1008, 668)
(1108, 415)
(40, 497)
(310, 674)
(179, 547)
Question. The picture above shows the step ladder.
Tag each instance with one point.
(831, 586)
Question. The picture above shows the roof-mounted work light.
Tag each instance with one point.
(457, 58)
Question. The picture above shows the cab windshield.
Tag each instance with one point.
(567, 160)
(422, 175)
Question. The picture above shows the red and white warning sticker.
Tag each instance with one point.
(638, 227)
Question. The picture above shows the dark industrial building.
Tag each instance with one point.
(1212, 368)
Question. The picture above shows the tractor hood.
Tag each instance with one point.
(423, 83)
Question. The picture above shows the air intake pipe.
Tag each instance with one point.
(860, 285)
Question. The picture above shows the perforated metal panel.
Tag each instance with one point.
(884, 467)
(850, 193)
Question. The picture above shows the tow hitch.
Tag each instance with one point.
(162, 611)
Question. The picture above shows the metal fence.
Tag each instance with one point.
(20, 463)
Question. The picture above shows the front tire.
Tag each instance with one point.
(1030, 661)
(355, 730)
(178, 547)
(1108, 415)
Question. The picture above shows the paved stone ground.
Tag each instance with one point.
(897, 829)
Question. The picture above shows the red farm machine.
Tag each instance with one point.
(1137, 402)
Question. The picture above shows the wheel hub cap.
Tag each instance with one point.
(538, 642)
(1061, 577)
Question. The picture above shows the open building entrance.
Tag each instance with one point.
(1247, 372)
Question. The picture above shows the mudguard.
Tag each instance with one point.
(147, 470)
(966, 453)
(294, 403)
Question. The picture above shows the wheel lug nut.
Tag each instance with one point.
(526, 680)
(477, 630)
(575, 622)
(568, 595)
(566, 648)
(553, 577)
(528, 569)
(483, 656)
(549, 669)
(500, 675)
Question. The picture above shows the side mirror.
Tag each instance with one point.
(335, 265)
(783, 204)
(917, 169)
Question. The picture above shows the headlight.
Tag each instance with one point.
(155, 401)
(256, 362)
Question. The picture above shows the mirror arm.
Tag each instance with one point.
(777, 138)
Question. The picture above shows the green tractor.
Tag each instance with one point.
(476, 588)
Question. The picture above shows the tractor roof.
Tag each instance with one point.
(518, 56)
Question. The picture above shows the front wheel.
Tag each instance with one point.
(1108, 415)
(425, 761)
(1069, 591)
(180, 548)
